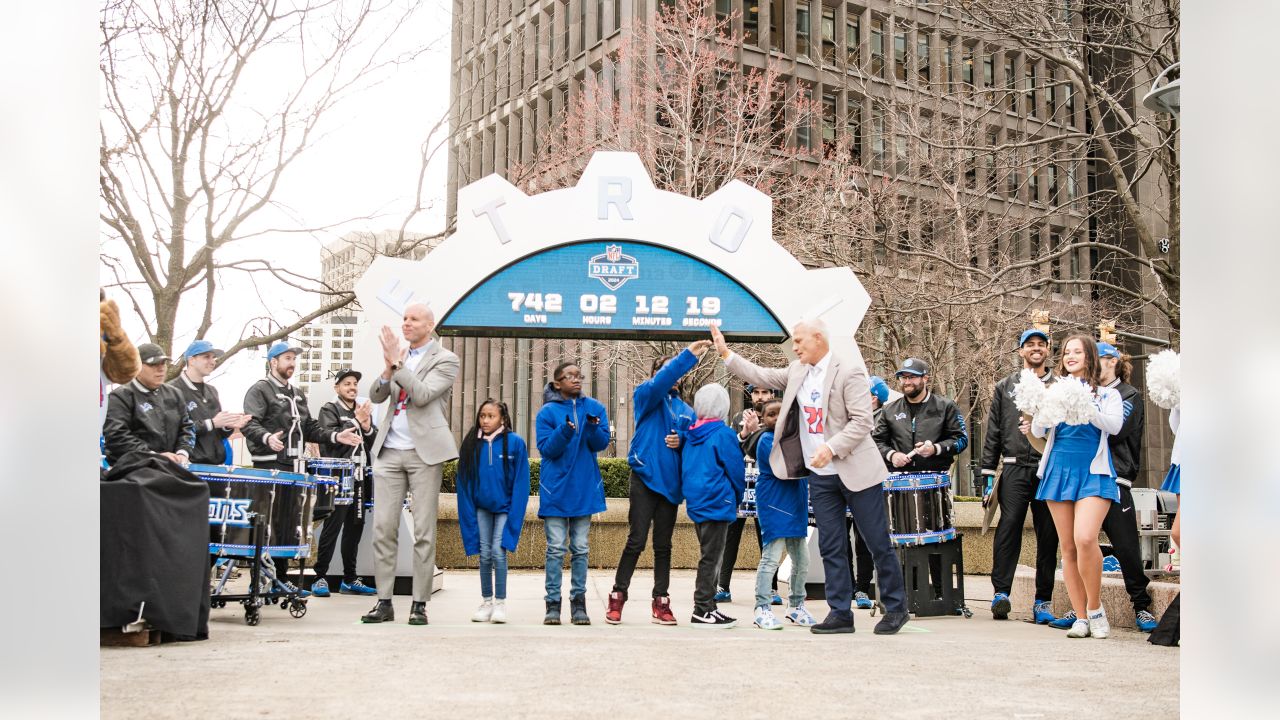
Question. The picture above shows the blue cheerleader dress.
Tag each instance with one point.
(1173, 480)
(1066, 474)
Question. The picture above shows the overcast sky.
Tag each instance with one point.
(367, 163)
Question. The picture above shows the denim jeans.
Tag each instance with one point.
(493, 559)
(798, 549)
(574, 531)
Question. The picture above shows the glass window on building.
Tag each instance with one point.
(829, 35)
(853, 38)
(1011, 94)
(853, 126)
(346, 356)
(802, 29)
(877, 47)
(1048, 89)
(877, 139)
(989, 182)
(1051, 184)
(1030, 87)
(966, 67)
(988, 72)
(777, 18)
(900, 145)
(1068, 102)
(804, 132)
(723, 9)
(900, 53)
(1070, 181)
(948, 64)
(751, 22)
(1055, 265)
(828, 119)
(922, 55)
(1033, 183)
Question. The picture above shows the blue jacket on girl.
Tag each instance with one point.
(782, 506)
(713, 473)
(569, 482)
(497, 480)
(660, 412)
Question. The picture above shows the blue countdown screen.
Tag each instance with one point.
(611, 289)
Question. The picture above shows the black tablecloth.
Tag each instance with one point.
(155, 546)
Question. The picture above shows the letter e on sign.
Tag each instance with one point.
(730, 229)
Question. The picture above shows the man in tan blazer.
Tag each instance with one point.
(824, 434)
(409, 453)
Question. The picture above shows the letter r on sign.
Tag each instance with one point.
(617, 199)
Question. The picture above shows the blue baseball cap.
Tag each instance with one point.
(281, 348)
(200, 347)
(1107, 350)
(1033, 332)
(880, 389)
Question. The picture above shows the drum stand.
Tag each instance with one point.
(261, 568)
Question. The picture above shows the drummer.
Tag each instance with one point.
(280, 422)
(148, 416)
(920, 432)
(213, 424)
(339, 414)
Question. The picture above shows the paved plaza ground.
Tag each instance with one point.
(329, 665)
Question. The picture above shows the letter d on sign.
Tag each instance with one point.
(730, 229)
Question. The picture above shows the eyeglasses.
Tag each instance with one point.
(571, 376)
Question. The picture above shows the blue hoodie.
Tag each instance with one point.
(713, 473)
(569, 482)
(497, 482)
(660, 412)
(782, 505)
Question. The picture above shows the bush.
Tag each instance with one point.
(615, 472)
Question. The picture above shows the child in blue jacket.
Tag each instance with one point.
(782, 509)
(571, 429)
(493, 492)
(713, 476)
(661, 418)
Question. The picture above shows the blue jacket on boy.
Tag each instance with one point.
(497, 481)
(569, 482)
(712, 472)
(782, 506)
(660, 412)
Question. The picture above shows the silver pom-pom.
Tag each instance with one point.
(1028, 393)
(1069, 401)
(1164, 385)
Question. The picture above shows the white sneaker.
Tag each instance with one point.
(766, 620)
(499, 612)
(1079, 629)
(1098, 625)
(484, 612)
(800, 616)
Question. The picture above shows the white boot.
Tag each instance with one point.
(484, 612)
(499, 612)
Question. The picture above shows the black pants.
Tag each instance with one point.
(1017, 492)
(1121, 528)
(647, 508)
(865, 566)
(830, 499)
(711, 537)
(732, 540)
(343, 521)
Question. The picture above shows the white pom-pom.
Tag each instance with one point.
(1069, 401)
(1028, 393)
(1164, 385)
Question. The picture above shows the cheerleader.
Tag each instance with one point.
(1173, 480)
(1078, 482)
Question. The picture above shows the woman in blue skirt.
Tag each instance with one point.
(1078, 482)
(1173, 480)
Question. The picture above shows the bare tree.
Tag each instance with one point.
(192, 154)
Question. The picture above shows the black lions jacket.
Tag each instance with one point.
(202, 404)
(272, 406)
(145, 420)
(937, 419)
(1126, 445)
(1004, 440)
(336, 417)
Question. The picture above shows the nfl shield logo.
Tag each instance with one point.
(613, 268)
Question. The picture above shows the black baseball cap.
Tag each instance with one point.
(913, 366)
(151, 354)
(346, 374)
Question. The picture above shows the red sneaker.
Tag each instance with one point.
(662, 611)
(613, 615)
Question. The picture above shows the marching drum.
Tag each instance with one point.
(919, 507)
(283, 499)
(334, 478)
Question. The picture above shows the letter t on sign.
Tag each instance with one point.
(490, 210)
(619, 199)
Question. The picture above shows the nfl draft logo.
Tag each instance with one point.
(613, 268)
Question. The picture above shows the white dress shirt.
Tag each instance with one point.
(812, 416)
(398, 437)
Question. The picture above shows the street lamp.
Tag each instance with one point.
(1165, 98)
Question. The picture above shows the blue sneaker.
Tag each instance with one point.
(1042, 612)
(862, 601)
(722, 595)
(1000, 606)
(1145, 621)
(356, 587)
(777, 599)
(1065, 622)
(320, 588)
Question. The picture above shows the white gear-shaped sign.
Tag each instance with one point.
(731, 230)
